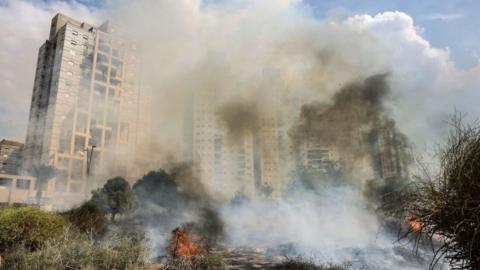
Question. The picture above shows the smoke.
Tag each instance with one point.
(240, 118)
(332, 226)
(255, 85)
(227, 84)
(352, 125)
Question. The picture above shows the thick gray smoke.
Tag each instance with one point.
(240, 118)
(353, 124)
(262, 75)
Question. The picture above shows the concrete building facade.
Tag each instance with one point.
(85, 107)
(10, 156)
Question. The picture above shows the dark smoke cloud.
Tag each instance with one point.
(239, 117)
(356, 105)
(351, 124)
(188, 183)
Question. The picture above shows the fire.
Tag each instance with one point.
(184, 244)
(415, 225)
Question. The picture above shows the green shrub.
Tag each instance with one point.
(89, 218)
(28, 226)
(75, 251)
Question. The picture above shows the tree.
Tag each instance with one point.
(43, 174)
(446, 206)
(116, 197)
(160, 188)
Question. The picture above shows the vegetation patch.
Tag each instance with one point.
(89, 218)
(301, 263)
(76, 251)
(28, 227)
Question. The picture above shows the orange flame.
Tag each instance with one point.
(184, 245)
(415, 225)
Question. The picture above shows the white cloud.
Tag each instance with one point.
(427, 83)
(25, 26)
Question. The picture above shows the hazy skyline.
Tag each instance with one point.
(434, 38)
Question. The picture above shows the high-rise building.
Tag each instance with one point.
(249, 163)
(10, 156)
(393, 155)
(224, 166)
(84, 114)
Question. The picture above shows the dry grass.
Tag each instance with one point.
(76, 251)
(301, 263)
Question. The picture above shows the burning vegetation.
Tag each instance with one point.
(443, 208)
(185, 244)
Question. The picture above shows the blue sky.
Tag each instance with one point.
(446, 23)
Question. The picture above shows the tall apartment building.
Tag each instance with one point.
(245, 164)
(85, 108)
(225, 167)
(393, 155)
(10, 156)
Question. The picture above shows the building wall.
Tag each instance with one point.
(85, 108)
(10, 156)
(15, 189)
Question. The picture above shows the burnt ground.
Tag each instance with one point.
(249, 259)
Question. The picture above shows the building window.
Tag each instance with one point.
(79, 144)
(65, 139)
(5, 182)
(102, 58)
(100, 89)
(102, 69)
(115, 82)
(117, 63)
(77, 169)
(115, 73)
(100, 77)
(61, 181)
(108, 137)
(104, 48)
(124, 131)
(23, 184)
(83, 99)
(82, 120)
(96, 136)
